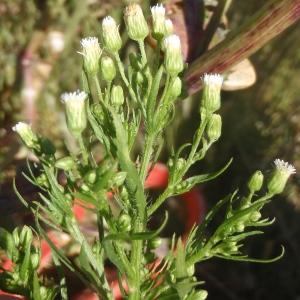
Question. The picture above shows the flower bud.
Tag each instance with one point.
(176, 88)
(75, 111)
(169, 28)
(124, 223)
(26, 236)
(173, 56)
(256, 181)
(158, 20)
(281, 174)
(136, 24)
(239, 227)
(90, 177)
(27, 135)
(111, 35)
(214, 127)
(255, 216)
(211, 97)
(191, 270)
(200, 295)
(108, 69)
(117, 96)
(91, 54)
(35, 260)
(66, 163)
(155, 243)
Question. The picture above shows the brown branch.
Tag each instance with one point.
(270, 21)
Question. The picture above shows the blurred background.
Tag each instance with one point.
(260, 111)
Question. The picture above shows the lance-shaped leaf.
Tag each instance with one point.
(189, 183)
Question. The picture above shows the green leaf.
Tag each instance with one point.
(113, 256)
(36, 294)
(139, 235)
(189, 183)
(24, 202)
(256, 260)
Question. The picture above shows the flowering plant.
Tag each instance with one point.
(129, 101)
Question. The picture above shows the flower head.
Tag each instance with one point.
(111, 35)
(169, 28)
(211, 98)
(75, 111)
(158, 19)
(173, 55)
(281, 174)
(91, 52)
(135, 21)
(27, 135)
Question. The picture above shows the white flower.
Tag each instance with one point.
(280, 176)
(111, 35)
(213, 79)
(169, 28)
(27, 135)
(76, 97)
(211, 97)
(172, 42)
(158, 10)
(284, 167)
(173, 56)
(158, 19)
(91, 52)
(75, 111)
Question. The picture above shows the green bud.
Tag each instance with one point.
(91, 54)
(158, 21)
(124, 223)
(75, 105)
(26, 236)
(66, 163)
(176, 88)
(84, 188)
(43, 292)
(136, 24)
(111, 35)
(15, 235)
(211, 97)
(173, 59)
(117, 96)
(255, 216)
(90, 177)
(191, 270)
(155, 243)
(108, 69)
(214, 128)
(180, 164)
(239, 227)
(35, 260)
(281, 174)
(27, 135)
(256, 181)
(200, 295)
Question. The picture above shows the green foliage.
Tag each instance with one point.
(103, 114)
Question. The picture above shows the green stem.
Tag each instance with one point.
(159, 201)
(98, 87)
(83, 150)
(124, 78)
(143, 52)
(147, 156)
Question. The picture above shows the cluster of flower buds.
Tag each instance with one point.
(75, 105)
